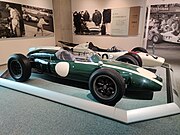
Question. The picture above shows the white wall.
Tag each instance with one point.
(21, 45)
(125, 42)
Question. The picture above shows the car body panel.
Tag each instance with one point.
(169, 37)
(147, 59)
(150, 60)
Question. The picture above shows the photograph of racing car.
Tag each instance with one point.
(18, 20)
(38, 21)
(164, 24)
(166, 36)
(28, 17)
(137, 56)
(92, 22)
(107, 80)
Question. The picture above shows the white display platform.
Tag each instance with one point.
(117, 112)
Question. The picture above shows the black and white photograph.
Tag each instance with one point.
(95, 23)
(18, 20)
(109, 22)
(164, 25)
(11, 22)
(37, 21)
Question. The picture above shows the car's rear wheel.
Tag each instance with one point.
(139, 49)
(128, 59)
(107, 86)
(137, 57)
(19, 67)
(157, 38)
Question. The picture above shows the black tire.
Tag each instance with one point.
(137, 57)
(157, 38)
(139, 49)
(128, 59)
(19, 67)
(107, 86)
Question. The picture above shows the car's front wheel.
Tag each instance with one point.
(107, 86)
(157, 38)
(19, 67)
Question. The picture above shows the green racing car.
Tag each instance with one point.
(108, 80)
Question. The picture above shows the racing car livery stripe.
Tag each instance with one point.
(134, 72)
(88, 63)
(125, 69)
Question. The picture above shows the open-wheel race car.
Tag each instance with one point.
(169, 36)
(29, 18)
(107, 80)
(137, 56)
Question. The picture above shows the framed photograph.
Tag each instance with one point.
(17, 20)
(164, 25)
